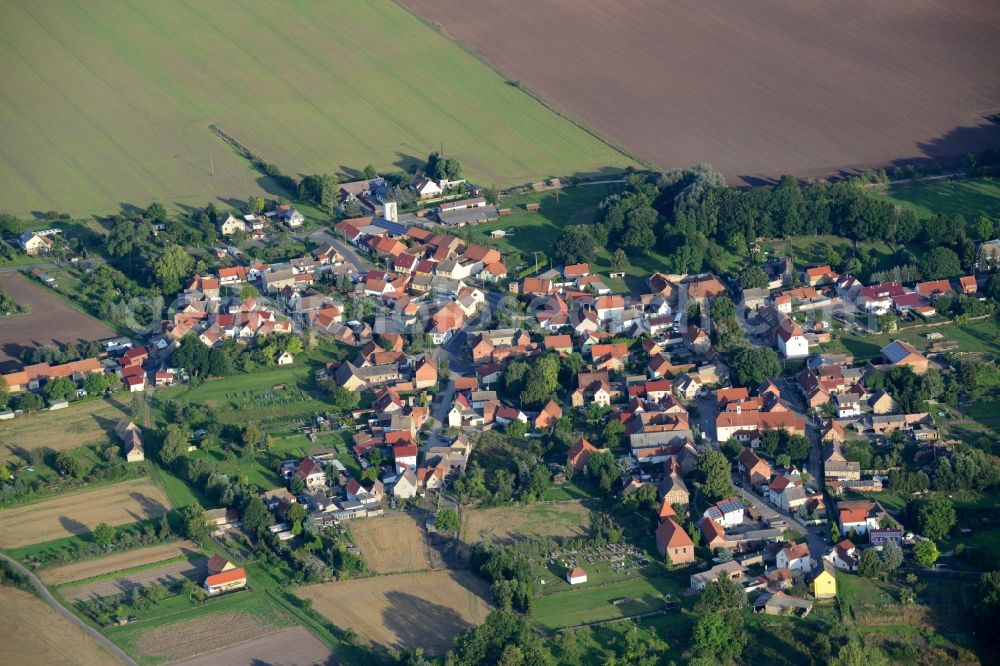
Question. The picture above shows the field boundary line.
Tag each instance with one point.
(439, 29)
(121, 573)
(59, 608)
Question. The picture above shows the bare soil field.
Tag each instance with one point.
(391, 545)
(32, 634)
(194, 568)
(566, 519)
(79, 513)
(77, 425)
(288, 647)
(197, 636)
(407, 610)
(99, 566)
(756, 89)
(50, 322)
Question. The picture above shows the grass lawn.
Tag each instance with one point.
(592, 602)
(813, 250)
(979, 336)
(252, 396)
(128, 119)
(969, 198)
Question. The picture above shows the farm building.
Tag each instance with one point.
(226, 581)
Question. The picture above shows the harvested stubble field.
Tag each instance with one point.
(391, 545)
(757, 89)
(194, 568)
(33, 634)
(50, 322)
(130, 91)
(79, 512)
(288, 647)
(100, 566)
(197, 636)
(407, 610)
(507, 524)
(77, 425)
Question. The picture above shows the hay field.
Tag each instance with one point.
(33, 634)
(99, 566)
(757, 89)
(507, 524)
(79, 512)
(50, 322)
(77, 425)
(288, 647)
(407, 610)
(391, 545)
(105, 103)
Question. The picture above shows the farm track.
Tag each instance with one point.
(812, 90)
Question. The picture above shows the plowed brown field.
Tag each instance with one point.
(756, 89)
(288, 647)
(50, 322)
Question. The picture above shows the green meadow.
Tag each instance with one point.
(969, 198)
(130, 89)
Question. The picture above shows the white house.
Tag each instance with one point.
(848, 405)
(285, 358)
(843, 556)
(728, 512)
(795, 557)
(792, 342)
(576, 576)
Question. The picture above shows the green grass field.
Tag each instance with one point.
(969, 198)
(979, 336)
(129, 91)
(806, 250)
(592, 602)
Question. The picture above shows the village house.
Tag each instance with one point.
(902, 353)
(732, 570)
(824, 582)
(133, 446)
(225, 581)
(673, 542)
(795, 557)
(34, 243)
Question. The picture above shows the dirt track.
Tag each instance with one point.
(288, 647)
(33, 634)
(756, 89)
(50, 322)
(80, 512)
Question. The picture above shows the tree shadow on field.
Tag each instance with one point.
(350, 172)
(148, 505)
(72, 526)
(420, 623)
(408, 163)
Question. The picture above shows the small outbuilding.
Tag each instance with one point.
(576, 575)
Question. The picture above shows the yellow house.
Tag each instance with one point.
(824, 584)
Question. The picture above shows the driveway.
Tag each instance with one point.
(360, 263)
